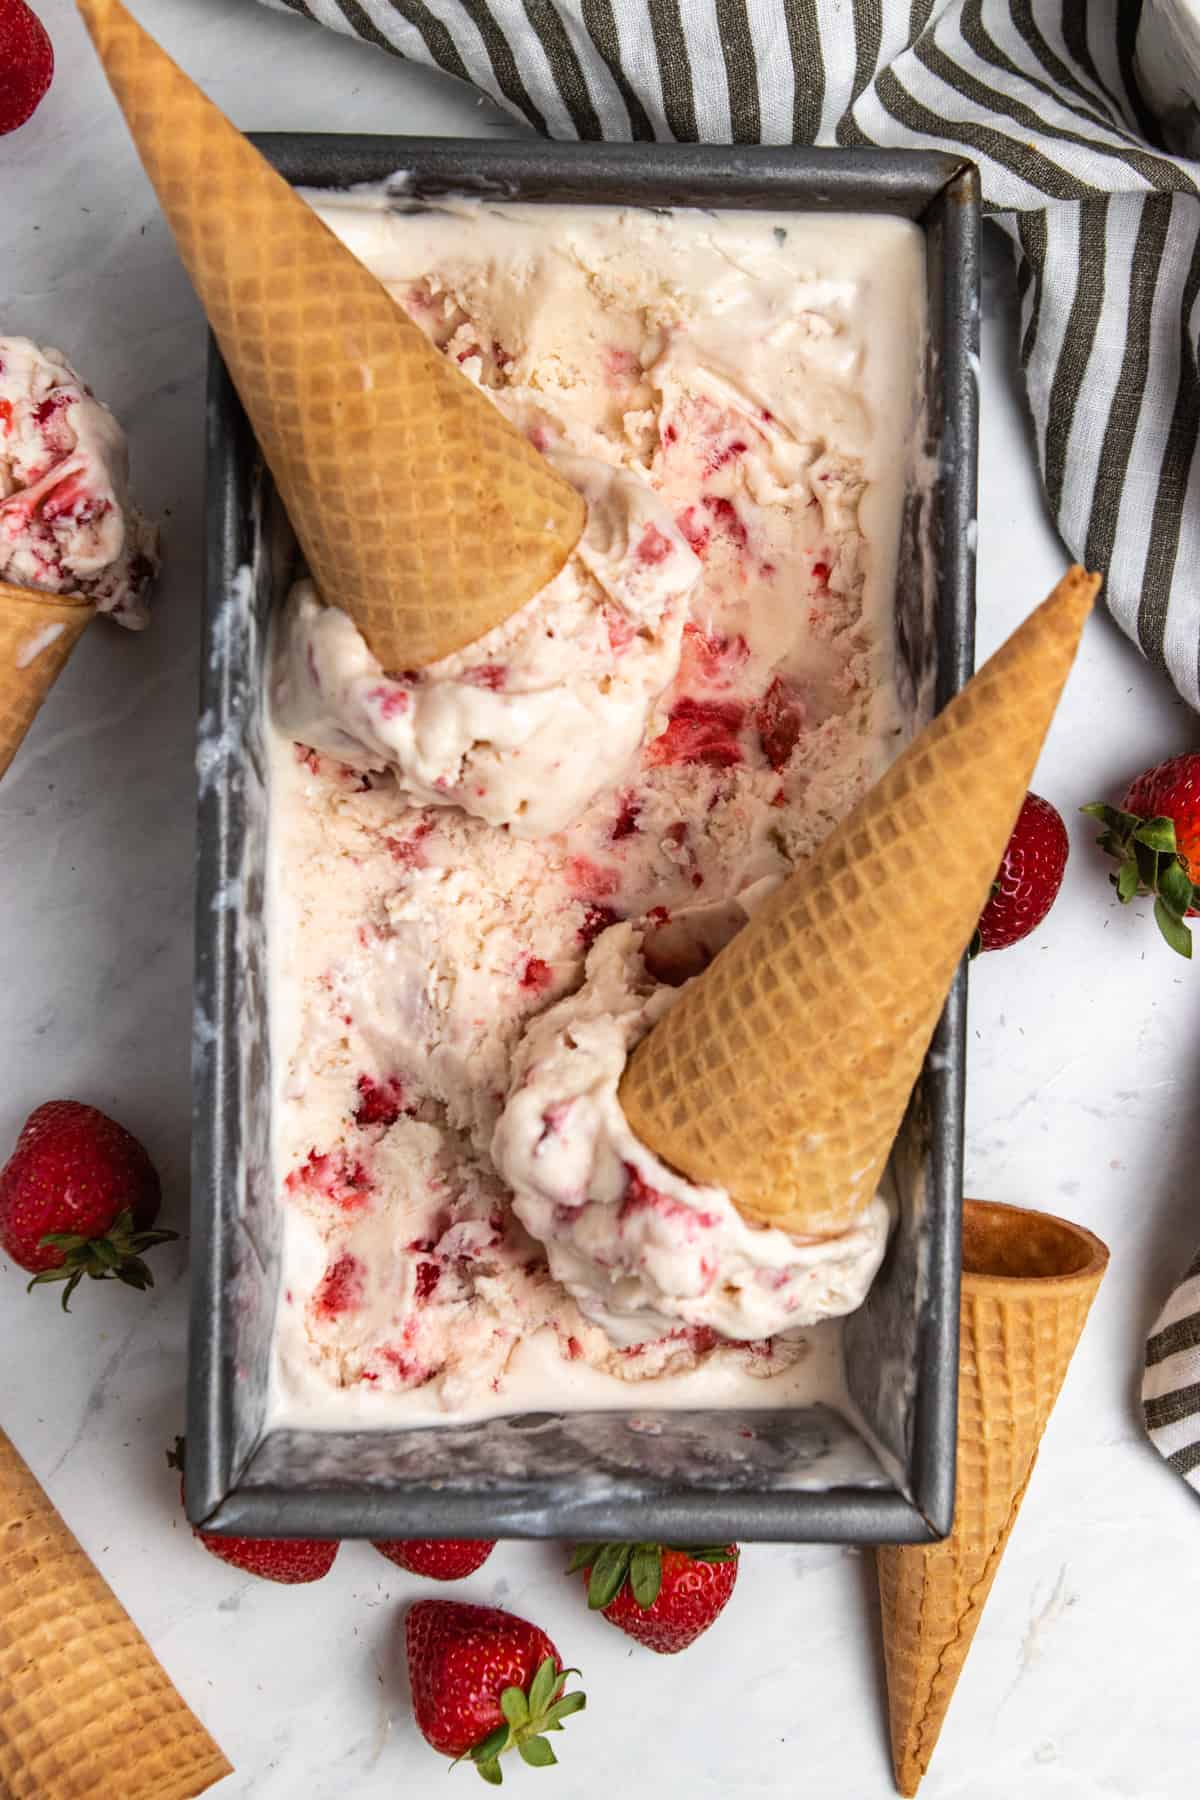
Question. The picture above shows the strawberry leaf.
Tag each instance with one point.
(1126, 882)
(491, 1772)
(645, 1573)
(608, 1575)
(1157, 834)
(490, 1747)
(1121, 822)
(514, 1706)
(543, 1687)
(1147, 865)
(1174, 887)
(562, 1709)
(581, 1556)
(63, 1240)
(134, 1274)
(537, 1753)
(1173, 929)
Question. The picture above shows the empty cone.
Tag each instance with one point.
(86, 1710)
(1028, 1282)
(421, 511)
(783, 1071)
(37, 634)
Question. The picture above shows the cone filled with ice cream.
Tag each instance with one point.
(72, 542)
(422, 513)
(85, 1706)
(1029, 1280)
(782, 1073)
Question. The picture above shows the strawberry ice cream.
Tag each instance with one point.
(528, 723)
(469, 1225)
(641, 1249)
(67, 524)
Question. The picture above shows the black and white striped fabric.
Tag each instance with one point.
(1040, 93)
(1171, 1388)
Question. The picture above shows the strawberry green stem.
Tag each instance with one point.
(114, 1256)
(1148, 862)
(528, 1714)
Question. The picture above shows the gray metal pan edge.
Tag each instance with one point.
(668, 1476)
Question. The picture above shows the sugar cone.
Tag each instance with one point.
(37, 634)
(1028, 1282)
(782, 1073)
(86, 1711)
(421, 511)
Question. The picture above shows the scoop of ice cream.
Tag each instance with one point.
(636, 1245)
(525, 725)
(67, 524)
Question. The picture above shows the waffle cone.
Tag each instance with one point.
(37, 634)
(86, 1710)
(421, 511)
(782, 1073)
(1028, 1282)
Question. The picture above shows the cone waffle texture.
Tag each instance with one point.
(37, 634)
(1028, 1282)
(85, 1708)
(782, 1073)
(421, 511)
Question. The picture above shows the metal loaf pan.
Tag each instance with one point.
(692, 1477)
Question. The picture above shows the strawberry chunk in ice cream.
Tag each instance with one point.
(67, 524)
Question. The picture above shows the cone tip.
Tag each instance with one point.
(1074, 596)
(102, 20)
(90, 12)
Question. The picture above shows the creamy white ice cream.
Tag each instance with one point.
(67, 523)
(640, 1248)
(753, 380)
(529, 722)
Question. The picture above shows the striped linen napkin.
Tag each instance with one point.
(1171, 1387)
(1104, 228)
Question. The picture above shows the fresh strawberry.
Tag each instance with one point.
(290, 1560)
(1028, 879)
(483, 1682)
(442, 1559)
(1155, 837)
(26, 63)
(78, 1196)
(661, 1594)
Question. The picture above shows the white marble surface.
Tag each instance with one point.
(1084, 1050)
